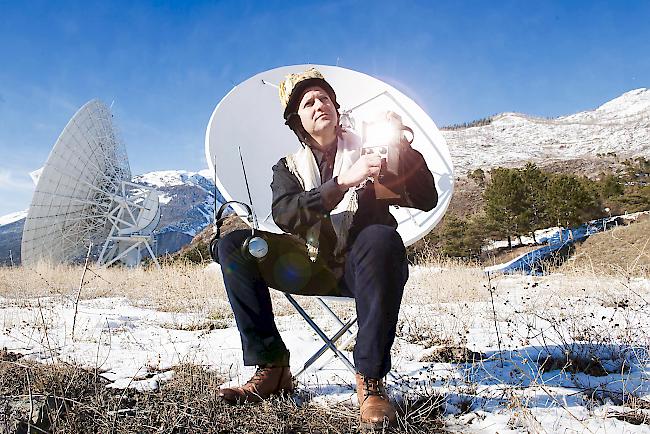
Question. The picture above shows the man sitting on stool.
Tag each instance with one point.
(341, 240)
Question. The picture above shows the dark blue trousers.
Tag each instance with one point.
(374, 274)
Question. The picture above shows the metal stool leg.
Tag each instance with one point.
(331, 313)
(329, 343)
(333, 340)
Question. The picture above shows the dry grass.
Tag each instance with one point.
(442, 282)
(622, 251)
(503, 255)
(575, 284)
(67, 399)
(445, 281)
(195, 288)
(178, 288)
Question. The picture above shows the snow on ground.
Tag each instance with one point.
(506, 392)
(207, 174)
(540, 235)
(543, 234)
(164, 198)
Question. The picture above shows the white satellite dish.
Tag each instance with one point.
(84, 196)
(250, 117)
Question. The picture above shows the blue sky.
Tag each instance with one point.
(167, 64)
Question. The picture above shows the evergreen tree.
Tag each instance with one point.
(637, 199)
(505, 202)
(461, 238)
(571, 201)
(610, 186)
(478, 176)
(535, 214)
(451, 237)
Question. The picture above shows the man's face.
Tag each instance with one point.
(317, 112)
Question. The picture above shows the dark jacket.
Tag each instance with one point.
(295, 210)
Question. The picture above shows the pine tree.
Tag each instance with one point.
(505, 202)
(535, 214)
(462, 238)
(571, 201)
(610, 186)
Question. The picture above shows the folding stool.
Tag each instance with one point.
(330, 342)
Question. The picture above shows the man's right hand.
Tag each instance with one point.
(367, 166)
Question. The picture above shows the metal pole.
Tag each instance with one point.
(322, 335)
(81, 284)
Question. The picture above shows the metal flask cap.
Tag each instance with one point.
(258, 247)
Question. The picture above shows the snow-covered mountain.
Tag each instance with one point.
(186, 208)
(620, 126)
(13, 217)
(11, 232)
(186, 205)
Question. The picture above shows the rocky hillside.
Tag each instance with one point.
(186, 205)
(620, 126)
(11, 232)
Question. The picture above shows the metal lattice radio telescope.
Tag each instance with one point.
(84, 198)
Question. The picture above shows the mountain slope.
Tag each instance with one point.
(186, 205)
(623, 251)
(11, 233)
(620, 126)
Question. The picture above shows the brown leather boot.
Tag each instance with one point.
(374, 406)
(267, 381)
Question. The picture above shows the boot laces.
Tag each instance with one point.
(372, 387)
(259, 375)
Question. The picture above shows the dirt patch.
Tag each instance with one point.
(198, 250)
(8, 356)
(636, 417)
(467, 199)
(589, 167)
(452, 355)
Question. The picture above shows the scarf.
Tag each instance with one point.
(302, 164)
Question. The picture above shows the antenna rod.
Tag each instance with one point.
(248, 190)
(214, 164)
(269, 84)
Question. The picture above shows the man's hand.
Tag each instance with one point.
(365, 167)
